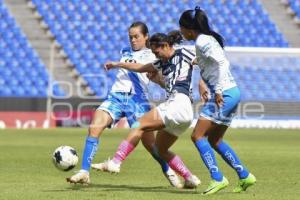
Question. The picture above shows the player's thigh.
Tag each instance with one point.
(135, 109)
(101, 120)
(151, 121)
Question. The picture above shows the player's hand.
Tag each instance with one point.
(219, 100)
(195, 62)
(204, 95)
(110, 65)
(156, 78)
(153, 76)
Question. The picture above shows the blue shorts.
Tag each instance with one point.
(225, 114)
(121, 104)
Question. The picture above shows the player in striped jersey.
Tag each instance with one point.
(172, 117)
(128, 98)
(218, 110)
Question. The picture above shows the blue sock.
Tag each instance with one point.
(164, 165)
(90, 149)
(232, 159)
(209, 159)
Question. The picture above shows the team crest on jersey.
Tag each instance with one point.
(130, 60)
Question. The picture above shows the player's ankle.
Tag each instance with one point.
(116, 161)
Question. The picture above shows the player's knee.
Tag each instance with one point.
(95, 131)
(138, 132)
(213, 142)
(143, 127)
(195, 137)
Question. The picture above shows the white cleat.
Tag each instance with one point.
(107, 166)
(192, 182)
(173, 178)
(100, 166)
(82, 177)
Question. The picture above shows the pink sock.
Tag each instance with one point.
(179, 167)
(124, 150)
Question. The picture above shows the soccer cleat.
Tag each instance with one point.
(173, 178)
(243, 184)
(82, 177)
(100, 166)
(216, 186)
(192, 182)
(107, 166)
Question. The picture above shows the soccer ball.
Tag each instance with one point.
(65, 158)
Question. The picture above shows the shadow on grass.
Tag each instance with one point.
(116, 188)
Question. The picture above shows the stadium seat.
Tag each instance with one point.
(22, 73)
(269, 80)
(90, 33)
(295, 6)
(90, 30)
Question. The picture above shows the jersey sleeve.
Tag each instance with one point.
(210, 48)
(157, 64)
(188, 56)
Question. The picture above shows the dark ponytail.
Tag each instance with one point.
(198, 20)
(159, 39)
(218, 37)
(175, 37)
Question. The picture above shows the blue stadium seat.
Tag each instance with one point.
(295, 5)
(21, 70)
(91, 33)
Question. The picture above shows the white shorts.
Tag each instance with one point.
(176, 113)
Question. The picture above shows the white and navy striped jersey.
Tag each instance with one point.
(129, 81)
(213, 64)
(177, 71)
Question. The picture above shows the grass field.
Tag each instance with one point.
(26, 170)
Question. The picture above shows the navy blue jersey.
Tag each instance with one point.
(177, 71)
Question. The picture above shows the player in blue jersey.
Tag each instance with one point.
(172, 117)
(218, 110)
(128, 98)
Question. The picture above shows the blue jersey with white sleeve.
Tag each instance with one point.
(128, 96)
(133, 82)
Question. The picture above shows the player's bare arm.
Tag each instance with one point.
(131, 66)
(203, 91)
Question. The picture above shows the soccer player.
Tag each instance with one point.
(128, 98)
(172, 117)
(217, 112)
